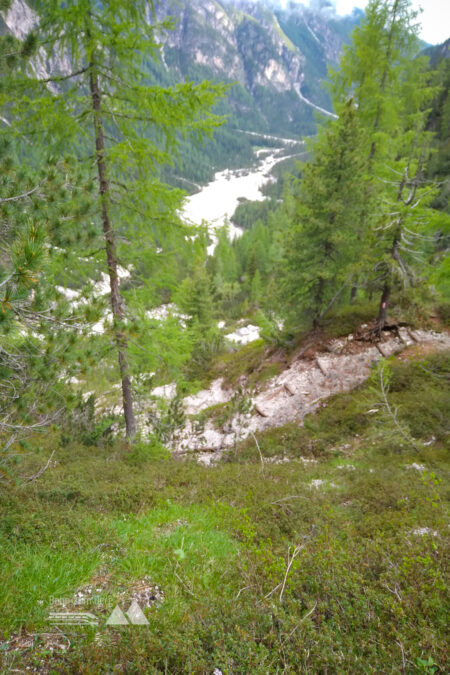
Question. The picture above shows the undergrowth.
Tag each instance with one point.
(333, 561)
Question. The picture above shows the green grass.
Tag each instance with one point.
(242, 361)
(366, 591)
(249, 361)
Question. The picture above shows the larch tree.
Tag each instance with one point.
(391, 87)
(102, 107)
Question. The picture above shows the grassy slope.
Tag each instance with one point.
(364, 594)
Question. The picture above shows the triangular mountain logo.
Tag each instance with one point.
(117, 618)
(136, 615)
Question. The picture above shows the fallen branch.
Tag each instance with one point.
(308, 614)
(22, 196)
(260, 453)
(41, 471)
(295, 553)
(284, 499)
(393, 413)
(241, 590)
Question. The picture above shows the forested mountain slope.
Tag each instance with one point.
(276, 62)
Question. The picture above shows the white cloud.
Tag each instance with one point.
(435, 18)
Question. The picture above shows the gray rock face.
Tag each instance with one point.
(277, 58)
(299, 390)
(244, 40)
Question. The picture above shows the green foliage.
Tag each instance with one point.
(345, 319)
(168, 419)
(195, 299)
(361, 216)
(144, 452)
(233, 365)
(81, 423)
(106, 106)
(218, 541)
(248, 213)
(444, 313)
(323, 240)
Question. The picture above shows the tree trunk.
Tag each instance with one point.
(318, 303)
(111, 256)
(384, 307)
(354, 291)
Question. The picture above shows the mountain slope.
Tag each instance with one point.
(269, 55)
(276, 62)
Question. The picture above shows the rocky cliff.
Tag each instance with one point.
(276, 59)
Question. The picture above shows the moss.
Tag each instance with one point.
(244, 361)
(345, 320)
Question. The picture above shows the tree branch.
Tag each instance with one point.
(41, 470)
(22, 196)
(61, 78)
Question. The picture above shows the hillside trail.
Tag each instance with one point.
(316, 372)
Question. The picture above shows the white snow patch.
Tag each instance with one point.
(422, 531)
(417, 467)
(244, 335)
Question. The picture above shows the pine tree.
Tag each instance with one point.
(195, 298)
(105, 108)
(325, 210)
(256, 289)
(31, 374)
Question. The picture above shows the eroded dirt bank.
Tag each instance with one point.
(339, 365)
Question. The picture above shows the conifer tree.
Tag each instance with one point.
(325, 209)
(391, 87)
(30, 370)
(256, 288)
(105, 109)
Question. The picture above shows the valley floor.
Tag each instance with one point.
(317, 549)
